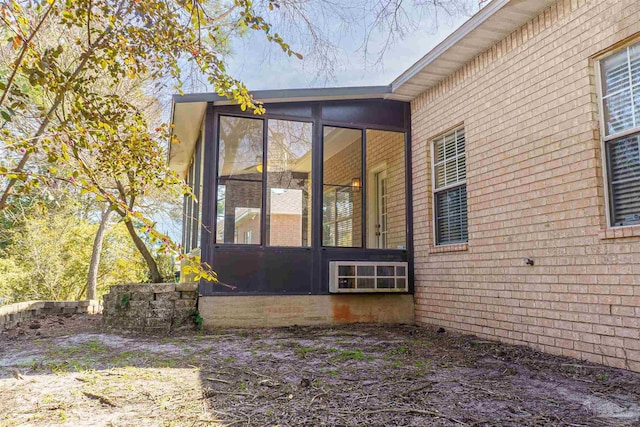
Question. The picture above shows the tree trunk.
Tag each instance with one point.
(144, 251)
(92, 277)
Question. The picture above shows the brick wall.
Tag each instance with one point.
(286, 310)
(239, 194)
(535, 189)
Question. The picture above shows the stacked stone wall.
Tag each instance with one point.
(13, 314)
(150, 307)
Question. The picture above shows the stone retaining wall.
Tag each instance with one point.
(11, 315)
(150, 307)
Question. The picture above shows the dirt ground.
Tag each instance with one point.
(67, 371)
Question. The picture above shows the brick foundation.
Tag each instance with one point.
(289, 310)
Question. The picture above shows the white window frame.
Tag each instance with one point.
(604, 138)
(457, 184)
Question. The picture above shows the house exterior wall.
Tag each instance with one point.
(240, 195)
(535, 189)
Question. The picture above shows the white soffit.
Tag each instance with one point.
(491, 24)
(187, 122)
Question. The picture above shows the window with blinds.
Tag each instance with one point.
(450, 188)
(337, 219)
(620, 98)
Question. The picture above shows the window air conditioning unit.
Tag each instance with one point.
(368, 276)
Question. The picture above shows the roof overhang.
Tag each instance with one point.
(186, 119)
(491, 24)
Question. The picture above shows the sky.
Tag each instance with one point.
(261, 65)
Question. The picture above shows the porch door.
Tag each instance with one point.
(381, 209)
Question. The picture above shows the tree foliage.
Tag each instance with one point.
(61, 97)
(77, 76)
(47, 250)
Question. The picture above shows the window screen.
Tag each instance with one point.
(239, 200)
(620, 79)
(386, 203)
(289, 183)
(450, 189)
(342, 191)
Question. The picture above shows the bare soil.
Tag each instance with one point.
(67, 371)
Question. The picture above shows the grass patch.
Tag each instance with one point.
(399, 351)
(126, 357)
(302, 351)
(91, 347)
(333, 372)
(356, 354)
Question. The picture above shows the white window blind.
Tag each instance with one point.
(624, 180)
(450, 161)
(621, 90)
(450, 189)
(338, 217)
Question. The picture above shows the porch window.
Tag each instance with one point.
(620, 102)
(386, 191)
(450, 188)
(192, 209)
(264, 185)
(239, 200)
(289, 183)
(342, 184)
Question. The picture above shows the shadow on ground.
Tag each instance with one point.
(69, 372)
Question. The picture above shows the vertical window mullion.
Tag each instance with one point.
(363, 190)
(263, 220)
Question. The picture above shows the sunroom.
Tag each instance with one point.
(305, 211)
